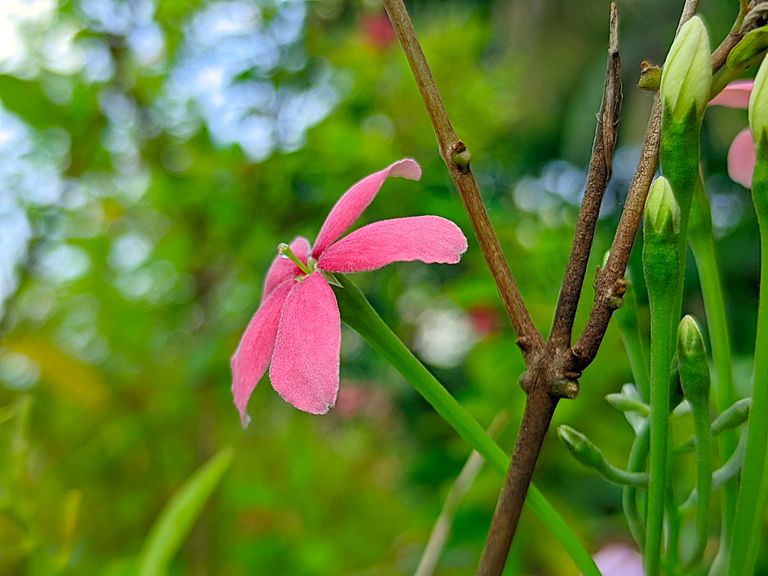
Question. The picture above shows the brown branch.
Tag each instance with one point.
(548, 378)
(457, 159)
(598, 174)
(552, 371)
(610, 284)
(689, 9)
(539, 407)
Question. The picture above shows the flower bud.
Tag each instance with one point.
(687, 73)
(580, 447)
(589, 455)
(692, 356)
(627, 404)
(662, 214)
(733, 416)
(758, 104)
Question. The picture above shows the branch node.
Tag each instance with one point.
(650, 76)
(565, 388)
(461, 157)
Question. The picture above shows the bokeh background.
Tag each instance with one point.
(152, 156)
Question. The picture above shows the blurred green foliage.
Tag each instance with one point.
(152, 157)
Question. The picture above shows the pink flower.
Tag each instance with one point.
(741, 154)
(296, 331)
(619, 560)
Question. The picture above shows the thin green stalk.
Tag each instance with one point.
(704, 486)
(636, 463)
(661, 357)
(673, 533)
(459, 489)
(358, 314)
(751, 498)
(629, 327)
(728, 471)
(661, 267)
(701, 240)
(695, 381)
(585, 452)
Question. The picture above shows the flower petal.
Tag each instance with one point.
(305, 364)
(426, 238)
(283, 269)
(741, 158)
(251, 358)
(356, 199)
(735, 95)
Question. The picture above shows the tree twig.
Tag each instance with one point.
(539, 408)
(457, 158)
(610, 285)
(547, 378)
(598, 174)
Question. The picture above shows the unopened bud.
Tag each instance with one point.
(692, 356)
(662, 214)
(758, 104)
(580, 447)
(733, 416)
(687, 73)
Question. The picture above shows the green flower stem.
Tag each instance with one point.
(661, 266)
(459, 489)
(722, 475)
(679, 158)
(673, 534)
(629, 327)
(701, 240)
(750, 502)
(359, 315)
(694, 379)
(729, 419)
(661, 357)
(586, 453)
(636, 463)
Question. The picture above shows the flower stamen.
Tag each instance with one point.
(285, 252)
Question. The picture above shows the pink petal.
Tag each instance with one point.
(251, 358)
(426, 238)
(735, 95)
(741, 158)
(619, 560)
(283, 269)
(305, 364)
(356, 199)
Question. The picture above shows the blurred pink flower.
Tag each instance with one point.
(377, 30)
(741, 154)
(363, 399)
(296, 331)
(619, 560)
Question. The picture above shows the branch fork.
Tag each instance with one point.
(553, 367)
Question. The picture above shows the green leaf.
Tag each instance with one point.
(179, 515)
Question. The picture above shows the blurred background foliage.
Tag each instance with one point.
(153, 155)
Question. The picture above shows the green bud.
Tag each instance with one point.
(758, 104)
(747, 54)
(692, 356)
(687, 73)
(662, 214)
(589, 455)
(580, 447)
(627, 404)
(733, 416)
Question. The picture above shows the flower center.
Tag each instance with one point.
(285, 252)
